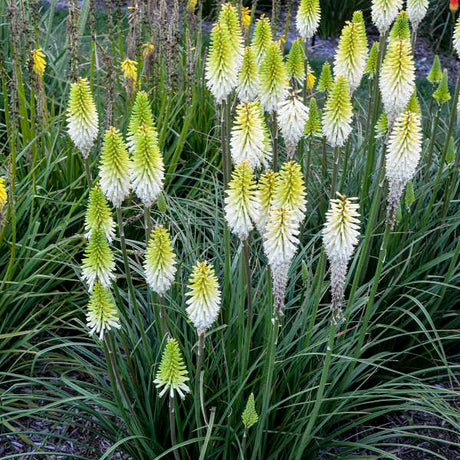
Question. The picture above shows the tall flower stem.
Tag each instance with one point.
(370, 302)
(432, 141)
(129, 280)
(305, 90)
(370, 139)
(248, 290)
(324, 160)
(272, 326)
(88, 172)
(172, 426)
(335, 171)
(199, 400)
(275, 143)
(307, 166)
(305, 440)
(148, 224)
(226, 165)
(453, 117)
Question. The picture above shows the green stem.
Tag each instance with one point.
(305, 440)
(453, 117)
(272, 324)
(370, 302)
(248, 290)
(88, 172)
(199, 399)
(129, 280)
(335, 171)
(275, 143)
(432, 141)
(172, 426)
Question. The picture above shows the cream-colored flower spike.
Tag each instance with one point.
(160, 261)
(250, 139)
(456, 38)
(280, 245)
(292, 116)
(204, 297)
(402, 158)
(241, 201)
(102, 313)
(397, 78)
(147, 167)
(290, 192)
(248, 77)
(308, 17)
(338, 114)
(351, 55)
(265, 192)
(340, 236)
(384, 12)
(416, 10)
(82, 118)
(222, 63)
(273, 78)
(114, 168)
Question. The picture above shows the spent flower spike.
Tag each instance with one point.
(102, 313)
(172, 373)
(160, 261)
(204, 297)
(82, 118)
(241, 201)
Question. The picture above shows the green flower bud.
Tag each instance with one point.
(435, 75)
(450, 154)
(325, 81)
(249, 415)
(295, 61)
(409, 196)
(442, 94)
(172, 373)
(401, 28)
(313, 126)
(371, 65)
(262, 37)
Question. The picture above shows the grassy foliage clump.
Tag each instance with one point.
(297, 304)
